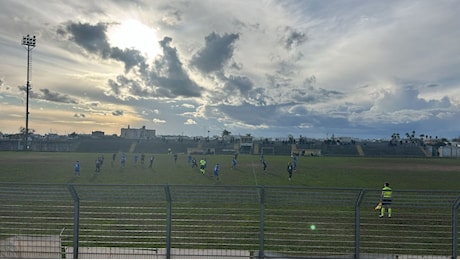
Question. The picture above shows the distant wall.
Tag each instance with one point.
(449, 151)
(31, 247)
(111, 144)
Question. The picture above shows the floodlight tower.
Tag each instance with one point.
(29, 42)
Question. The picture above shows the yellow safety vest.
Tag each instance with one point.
(386, 191)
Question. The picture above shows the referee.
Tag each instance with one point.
(386, 198)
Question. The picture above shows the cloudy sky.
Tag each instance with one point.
(315, 68)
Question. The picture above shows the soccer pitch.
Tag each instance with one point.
(318, 220)
(336, 172)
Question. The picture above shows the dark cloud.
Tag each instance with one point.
(292, 38)
(277, 81)
(117, 113)
(315, 95)
(305, 93)
(169, 76)
(94, 104)
(115, 88)
(275, 117)
(407, 98)
(172, 17)
(4, 85)
(130, 57)
(310, 80)
(48, 95)
(242, 84)
(170, 64)
(166, 78)
(433, 85)
(93, 39)
(24, 88)
(125, 86)
(218, 50)
(79, 115)
(251, 114)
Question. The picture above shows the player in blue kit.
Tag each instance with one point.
(77, 169)
(216, 171)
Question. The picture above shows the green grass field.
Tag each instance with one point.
(349, 172)
(126, 222)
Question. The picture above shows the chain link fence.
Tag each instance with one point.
(180, 221)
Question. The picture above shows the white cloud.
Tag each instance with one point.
(190, 122)
(269, 68)
(158, 121)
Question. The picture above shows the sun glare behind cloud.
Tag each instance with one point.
(136, 35)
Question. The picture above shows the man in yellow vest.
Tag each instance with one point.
(202, 166)
(386, 198)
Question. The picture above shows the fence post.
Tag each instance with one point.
(454, 227)
(357, 222)
(262, 222)
(168, 222)
(76, 219)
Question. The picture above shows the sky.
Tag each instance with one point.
(311, 68)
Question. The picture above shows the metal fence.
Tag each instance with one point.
(180, 221)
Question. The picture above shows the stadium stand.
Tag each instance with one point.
(111, 144)
(104, 145)
(384, 149)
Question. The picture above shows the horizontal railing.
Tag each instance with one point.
(171, 221)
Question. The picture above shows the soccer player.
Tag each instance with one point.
(264, 163)
(294, 162)
(234, 162)
(123, 160)
(386, 198)
(77, 169)
(98, 164)
(194, 163)
(289, 169)
(202, 166)
(114, 156)
(216, 171)
(142, 159)
(151, 161)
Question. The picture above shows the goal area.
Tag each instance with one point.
(268, 150)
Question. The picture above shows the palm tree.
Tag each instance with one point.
(225, 133)
(394, 139)
(22, 130)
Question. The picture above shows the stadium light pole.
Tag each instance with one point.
(29, 42)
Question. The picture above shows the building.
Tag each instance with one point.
(246, 144)
(141, 133)
(97, 134)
